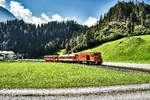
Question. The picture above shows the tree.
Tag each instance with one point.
(142, 13)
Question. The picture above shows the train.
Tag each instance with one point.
(88, 58)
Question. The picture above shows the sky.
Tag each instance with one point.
(85, 12)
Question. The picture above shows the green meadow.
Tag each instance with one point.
(134, 49)
(59, 75)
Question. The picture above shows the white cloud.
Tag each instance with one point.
(2, 3)
(45, 17)
(74, 18)
(36, 20)
(55, 17)
(91, 21)
(19, 11)
(2, 0)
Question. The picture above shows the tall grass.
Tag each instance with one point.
(57, 75)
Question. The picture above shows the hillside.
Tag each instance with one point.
(122, 20)
(130, 49)
(5, 15)
(33, 41)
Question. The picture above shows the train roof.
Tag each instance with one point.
(90, 53)
(67, 55)
(52, 55)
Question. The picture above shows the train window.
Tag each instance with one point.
(83, 56)
(96, 55)
(51, 57)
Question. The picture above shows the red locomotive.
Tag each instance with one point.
(89, 58)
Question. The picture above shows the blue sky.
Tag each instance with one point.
(47, 10)
(66, 8)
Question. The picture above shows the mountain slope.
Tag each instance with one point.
(122, 20)
(6, 15)
(130, 49)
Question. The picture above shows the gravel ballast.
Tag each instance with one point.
(133, 65)
(73, 91)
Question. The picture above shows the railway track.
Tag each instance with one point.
(124, 69)
(117, 68)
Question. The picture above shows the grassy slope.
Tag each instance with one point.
(61, 52)
(56, 75)
(130, 49)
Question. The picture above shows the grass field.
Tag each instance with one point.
(134, 49)
(58, 75)
(61, 52)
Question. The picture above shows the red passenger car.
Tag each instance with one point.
(67, 58)
(51, 58)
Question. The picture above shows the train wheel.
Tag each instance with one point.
(80, 62)
(88, 63)
(99, 63)
(92, 63)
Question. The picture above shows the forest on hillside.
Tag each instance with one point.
(33, 41)
(124, 19)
